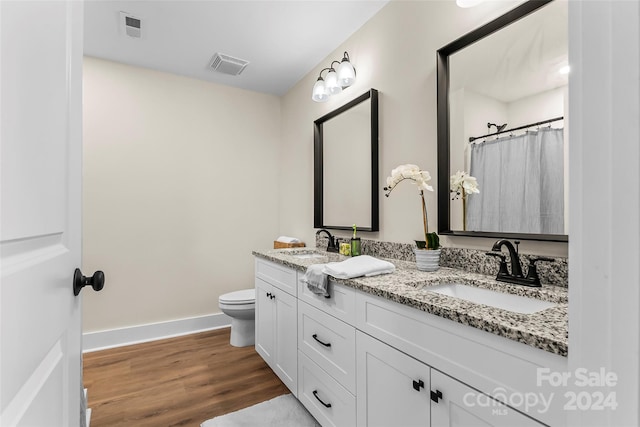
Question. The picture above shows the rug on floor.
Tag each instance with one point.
(282, 411)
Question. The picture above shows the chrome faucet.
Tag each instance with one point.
(516, 276)
(333, 242)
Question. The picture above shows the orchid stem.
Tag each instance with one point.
(424, 217)
(464, 210)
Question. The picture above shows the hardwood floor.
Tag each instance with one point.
(176, 382)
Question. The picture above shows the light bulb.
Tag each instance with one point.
(319, 93)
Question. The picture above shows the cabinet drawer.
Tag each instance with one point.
(341, 302)
(329, 402)
(279, 276)
(329, 342)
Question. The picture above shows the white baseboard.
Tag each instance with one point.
(88, 410)
(101, 340)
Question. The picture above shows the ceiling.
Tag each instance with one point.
(518, 61)
(282, 40)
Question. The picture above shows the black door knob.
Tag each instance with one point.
(79, 281)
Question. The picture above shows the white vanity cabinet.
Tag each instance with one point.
(477, 365)
(396, 389)
(359, 359)
(276, 320)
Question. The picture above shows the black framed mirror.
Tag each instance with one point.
(488, 82)
(345, 160)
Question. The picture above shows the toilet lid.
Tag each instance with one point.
(246, 296)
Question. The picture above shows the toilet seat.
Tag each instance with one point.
(243, 297)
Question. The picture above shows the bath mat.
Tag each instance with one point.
(282, 411)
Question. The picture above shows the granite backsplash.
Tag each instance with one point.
(470, 260)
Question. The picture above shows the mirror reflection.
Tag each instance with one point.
(346, 166)
(508, 98)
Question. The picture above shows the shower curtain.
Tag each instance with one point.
(521, 181)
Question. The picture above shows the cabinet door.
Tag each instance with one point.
(286, 338)
(461, 405)
(265, 321)
(392, 388)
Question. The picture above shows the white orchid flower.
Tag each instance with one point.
(461, 180)
(411, 172)
(420, 179)
(424, 186)
(456, 180)
(470, 185)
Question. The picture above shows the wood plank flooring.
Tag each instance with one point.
(176, 382)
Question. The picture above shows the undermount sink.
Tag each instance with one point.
(510, 302)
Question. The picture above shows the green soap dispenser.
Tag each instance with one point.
(355, 243)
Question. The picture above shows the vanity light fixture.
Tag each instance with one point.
(336, 79)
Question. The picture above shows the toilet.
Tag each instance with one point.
(241, 307)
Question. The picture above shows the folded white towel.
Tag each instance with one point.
(316, 280)
(287, 239)
(363, 265)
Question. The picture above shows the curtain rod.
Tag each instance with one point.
(473, 138)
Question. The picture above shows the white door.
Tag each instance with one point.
(40, 208)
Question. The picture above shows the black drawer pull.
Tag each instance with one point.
(436, 395)
(268, 294)
(315, 394)
(418, 384)
(326, 344)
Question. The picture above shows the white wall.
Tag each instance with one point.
(538, 107)
(604, 291)
(180, 184)
(395, 53)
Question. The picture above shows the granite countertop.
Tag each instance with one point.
(546, 330)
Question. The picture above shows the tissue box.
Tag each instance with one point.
(281, 245)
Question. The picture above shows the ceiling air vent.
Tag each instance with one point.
(130, 25)
(227, 64)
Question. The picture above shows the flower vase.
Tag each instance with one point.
(427, 260)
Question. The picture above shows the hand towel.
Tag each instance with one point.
(287, 239)
(316, 280)
(363, 265)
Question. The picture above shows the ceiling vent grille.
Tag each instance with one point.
(227, 64)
